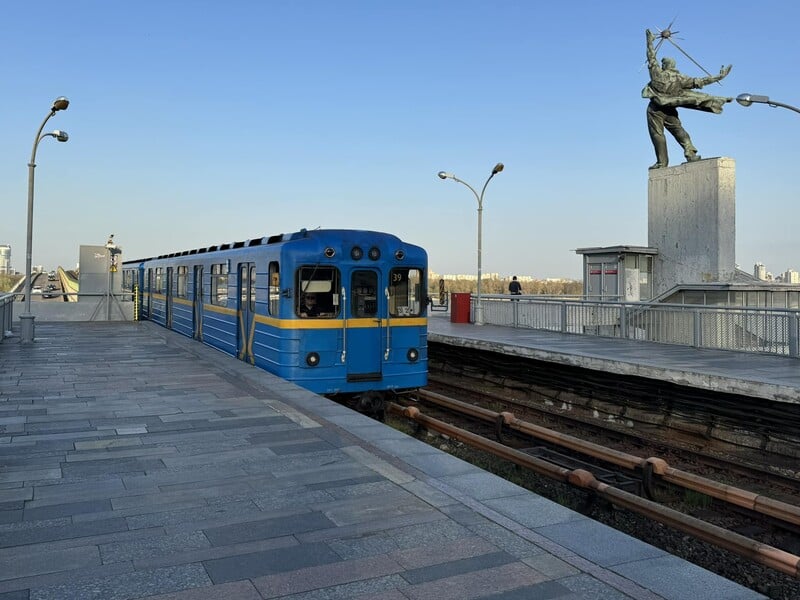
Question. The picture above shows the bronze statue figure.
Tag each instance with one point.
(669, 90)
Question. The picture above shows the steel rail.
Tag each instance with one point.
(755, 551)
(657, 466)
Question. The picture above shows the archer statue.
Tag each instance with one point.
(669, 90)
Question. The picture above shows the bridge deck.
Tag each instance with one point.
(758, 375)
(140, 464)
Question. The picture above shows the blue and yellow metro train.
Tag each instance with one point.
(339, 312)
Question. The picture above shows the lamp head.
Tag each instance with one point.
(61, 136)
(497, 168)
(443, 175)
(60, 103)
(748, 99)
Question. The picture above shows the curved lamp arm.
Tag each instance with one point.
(748, 99)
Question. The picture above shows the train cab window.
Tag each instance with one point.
(274, 288)
(406, 292)
(219, 284)
(321, 284)
(180, 285)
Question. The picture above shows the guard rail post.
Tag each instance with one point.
(515, 311)
(794, 339)
(697, 320)
(623, 321)
(563, 317)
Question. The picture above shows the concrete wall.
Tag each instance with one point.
(692, 221)
(95, 278)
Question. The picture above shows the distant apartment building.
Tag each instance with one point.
(760, 271)
(5, 259)
(791, 276)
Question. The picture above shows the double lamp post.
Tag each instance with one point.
(26, 318)
(479, 197)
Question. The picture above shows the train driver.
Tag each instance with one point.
(308, 306)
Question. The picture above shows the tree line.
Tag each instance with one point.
(564, 287)
(8, 281)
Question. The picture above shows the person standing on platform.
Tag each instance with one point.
(514, 287)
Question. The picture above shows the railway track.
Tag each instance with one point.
(757, 469)
(718, 422)
(600, 471)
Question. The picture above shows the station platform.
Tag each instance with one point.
(136, 463)
(770, 377)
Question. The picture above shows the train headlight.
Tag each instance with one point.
(312, 359)
(356, 253)
(412, 355)
(374, 253)
(330, 252)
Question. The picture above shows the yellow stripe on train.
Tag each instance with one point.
(314, 323)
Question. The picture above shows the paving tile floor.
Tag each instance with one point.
(135, 463)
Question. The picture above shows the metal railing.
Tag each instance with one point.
(6, 315)
(743, 329)
(65, 306)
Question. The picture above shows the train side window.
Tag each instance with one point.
(158, 286)
(218, 291)
(406, 296)
(128, 280)
(274, 288)
(324, 284)
(252, 289)
(180, 287)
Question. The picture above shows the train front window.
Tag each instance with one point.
(406, 292)
(363, 294)
(320, 286)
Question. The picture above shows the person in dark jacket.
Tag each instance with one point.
(514, 287)
(308, 308)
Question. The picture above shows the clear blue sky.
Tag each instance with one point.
(199, 122)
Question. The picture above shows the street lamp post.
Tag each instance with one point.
(748, 99)
(479, 197)
(26, 319)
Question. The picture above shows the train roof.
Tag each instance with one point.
(262, 241)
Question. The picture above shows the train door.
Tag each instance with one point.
(197, 303)
(168, 299)
(147, 296)
(246, 285)
(363, 343)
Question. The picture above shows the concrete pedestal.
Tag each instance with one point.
(26, 328)
(691, 216)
